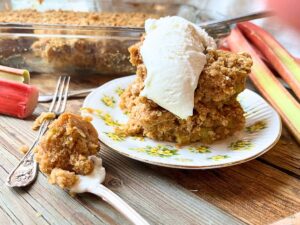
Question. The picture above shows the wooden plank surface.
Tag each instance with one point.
(285, 155)
(156, 197)
(258, 192)
(254, 192)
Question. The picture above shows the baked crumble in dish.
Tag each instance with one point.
(64, 150)
(104, 53)
(217, 114)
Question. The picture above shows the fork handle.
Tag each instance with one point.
(25, 172)
(119, 204)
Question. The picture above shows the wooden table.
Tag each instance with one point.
(261, 191)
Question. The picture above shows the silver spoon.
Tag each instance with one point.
(92, 183)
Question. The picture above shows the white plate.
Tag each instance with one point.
(262, 131)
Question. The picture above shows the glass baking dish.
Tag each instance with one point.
(74, 49)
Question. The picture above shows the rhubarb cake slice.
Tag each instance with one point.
(216, 112)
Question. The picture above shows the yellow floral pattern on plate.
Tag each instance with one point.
(120, 91)
(115, 137)
(159, 150)
(241, 145)
(219, 157)
(96, 112)
(200, 149)
(197, 155)
(257, 126)
(108, 101)
(107, 118)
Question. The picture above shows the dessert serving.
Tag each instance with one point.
(64, 150)
(67, 155)
(185, 90)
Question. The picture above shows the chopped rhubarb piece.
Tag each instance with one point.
(17, 99)
(268, 85)
(12, 74)
(285, 64)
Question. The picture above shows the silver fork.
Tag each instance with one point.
(221, 28)
(26, 171)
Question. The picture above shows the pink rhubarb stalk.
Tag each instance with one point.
(285, 64)
(268, 85)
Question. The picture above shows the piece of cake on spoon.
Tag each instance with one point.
(67, 154)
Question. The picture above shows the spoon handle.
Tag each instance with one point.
(119, 204)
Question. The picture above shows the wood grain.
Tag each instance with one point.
(258, 192)
(157, 198)
(285, 155)
(254, 192)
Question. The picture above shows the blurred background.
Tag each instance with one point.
(33, 48)
(226, 8)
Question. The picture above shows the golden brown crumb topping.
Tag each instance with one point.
(63, 178)
(223, 77)
(67, 145)
(217, 113)
(106, 53)
(135, 19)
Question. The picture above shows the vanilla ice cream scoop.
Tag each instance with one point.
(173, 53)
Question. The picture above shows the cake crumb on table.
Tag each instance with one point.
(41, 118)
(24, 149)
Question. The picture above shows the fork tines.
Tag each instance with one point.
(59, 102)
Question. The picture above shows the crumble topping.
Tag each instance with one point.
(64, 150)
(217, 113)
(105, 55)
(63, 178)
(131, 19)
